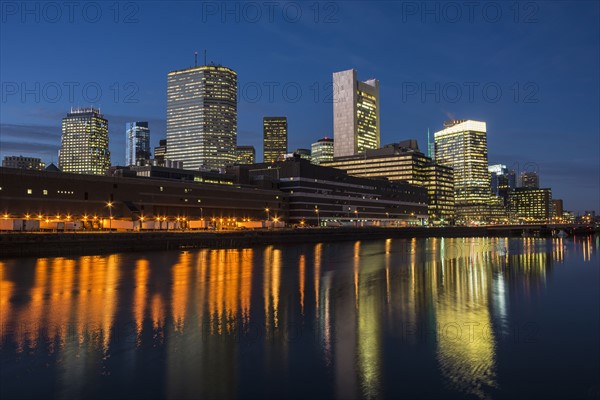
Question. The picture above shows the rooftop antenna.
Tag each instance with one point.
(195, 58)
(204, 56)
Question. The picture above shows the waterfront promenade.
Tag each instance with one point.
(38, 244)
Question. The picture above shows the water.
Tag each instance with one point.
(397, 318)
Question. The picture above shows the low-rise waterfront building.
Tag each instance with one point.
(404, 162)
(530, 205)
(331, 197)
(21, 162)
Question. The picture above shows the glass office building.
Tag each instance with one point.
(84, 142)
(137, 143)
(202, 116)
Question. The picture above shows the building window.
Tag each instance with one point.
(45, 192)
(29, 191)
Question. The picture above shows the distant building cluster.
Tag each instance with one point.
(451, 182)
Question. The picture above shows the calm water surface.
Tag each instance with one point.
(397, 318)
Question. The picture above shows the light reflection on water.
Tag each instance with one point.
(227, 322)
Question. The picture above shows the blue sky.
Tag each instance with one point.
(530, 70)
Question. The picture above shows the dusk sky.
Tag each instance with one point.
(531, 71)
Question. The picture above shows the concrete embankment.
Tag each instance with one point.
(66, 244)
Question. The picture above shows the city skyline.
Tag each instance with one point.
(30, 127)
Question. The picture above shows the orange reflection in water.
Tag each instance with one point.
(70, 300)
(140, 296)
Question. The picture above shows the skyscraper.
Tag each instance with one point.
(355, 114)
(274, 138)
(246, 155)
(322, 150)
(202, 116)
(84, 142)
(462, 145)
(137, 143)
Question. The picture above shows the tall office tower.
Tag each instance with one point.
(84, 142)
(355, 114)
(137, 143)
(21, 162)
(529, 180)
(462, 145)
(246, 155)
(322, 150)
(274, 138)
(202, 116)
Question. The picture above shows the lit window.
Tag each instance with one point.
(29, 191)
(45, 191)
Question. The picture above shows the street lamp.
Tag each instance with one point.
(268, 215)
(318, 218)
(109, 204)
(356, 217)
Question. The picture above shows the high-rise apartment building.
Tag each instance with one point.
(322, 151)
(202, 116)
(355, 114)
(137, 143)
(84, 142)
(462, 145)
(274, 138)
(246, 155)
(21, 162)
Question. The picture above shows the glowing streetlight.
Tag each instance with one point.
(268, 215)
(318, 218)
(109, 204)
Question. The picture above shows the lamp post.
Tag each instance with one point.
(318, 218)
(268, 215)
(356, 217)
(110, 205)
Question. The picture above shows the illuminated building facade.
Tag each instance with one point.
(322, 151)
(301, 153)
(530, 205)
(137, 143)
(502, 181)
(404, 162)
(84, 142)
(355, 114)
(202, 116)
(529, 179)
(331, 197)
(21, 162)
(439, 181)
(274, 138)
(462, 145)
(245, 155)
